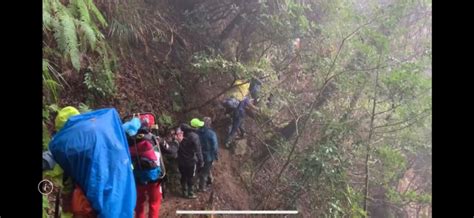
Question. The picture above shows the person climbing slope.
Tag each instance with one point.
(238, 117)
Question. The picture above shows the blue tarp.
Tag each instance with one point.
(93, 150)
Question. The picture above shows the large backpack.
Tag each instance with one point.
(146, 165)
(230, 104)
(93, 150)
(145, 152)
(255, 86)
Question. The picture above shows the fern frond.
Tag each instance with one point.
(69, 38)
(51, 85)
(49, 52)
(75, 27)
(89, 34)
(55, 6)
(47, 20)
(83, 11)
(46, 6)
(52, 8)
(96, 13)
(72, 9)
(60, 39)
(98, 33)
(109, 79)
(45, 65)
(113, 56)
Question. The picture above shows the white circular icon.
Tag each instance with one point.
(45, 187)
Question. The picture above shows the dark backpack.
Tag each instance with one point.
(255, 86)
(230, 104)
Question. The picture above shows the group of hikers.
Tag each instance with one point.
(117, 165)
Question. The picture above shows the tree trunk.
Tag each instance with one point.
(369, 140)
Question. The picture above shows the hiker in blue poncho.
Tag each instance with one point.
(92, 149)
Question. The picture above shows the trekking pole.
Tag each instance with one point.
(56, 206)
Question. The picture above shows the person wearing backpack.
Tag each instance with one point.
(78, 207)
(146, 160)
(230, 104)
(237, 119)
(254, 89)
(189, 157)
(209, 144)
(63, 115)
(92, 149)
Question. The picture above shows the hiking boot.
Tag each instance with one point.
(191, 195)
(209, 180)
(227, 145)
(184, 192)
(202, 189)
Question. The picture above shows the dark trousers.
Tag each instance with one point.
(187, 175)
(205, 174)
(236, 125)
(170, 182)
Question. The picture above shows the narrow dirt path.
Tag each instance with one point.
(228, 191)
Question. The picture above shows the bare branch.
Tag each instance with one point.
(404, 127)
(417, 117)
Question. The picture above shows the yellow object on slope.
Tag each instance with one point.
(241, 89)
